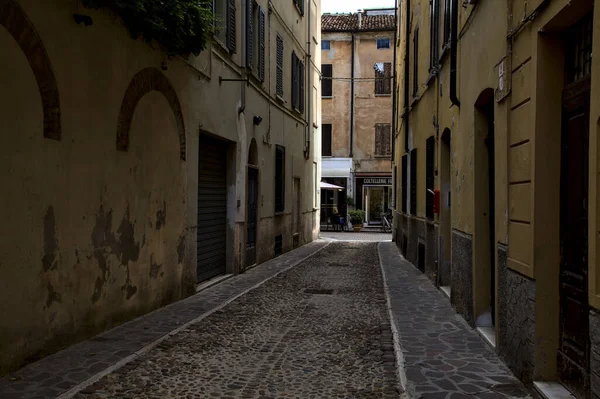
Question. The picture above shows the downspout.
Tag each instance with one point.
(352, 101)
(394, 101)
(453, 53)
(406, 71)
(245, 80)
(308, 67)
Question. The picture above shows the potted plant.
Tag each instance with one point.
(357, 217)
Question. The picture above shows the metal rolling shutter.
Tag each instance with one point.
(212, 208)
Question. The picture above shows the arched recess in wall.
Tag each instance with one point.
(143, 82)
(14, 19)
(253, 153)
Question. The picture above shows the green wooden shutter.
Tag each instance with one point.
(301, 82)
(261, 44)
(249, 32)
(231, 26)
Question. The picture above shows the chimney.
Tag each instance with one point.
(359, 19)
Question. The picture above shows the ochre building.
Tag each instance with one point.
(357, 56)
(497, 172)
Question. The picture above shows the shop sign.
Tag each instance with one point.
(383, 181)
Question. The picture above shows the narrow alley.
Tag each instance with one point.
(312, 323)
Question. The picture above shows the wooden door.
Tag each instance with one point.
(252, 216)
(573, 353)
(573, 356)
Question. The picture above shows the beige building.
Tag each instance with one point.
(500, 207)
(128, 177)
(357, 56)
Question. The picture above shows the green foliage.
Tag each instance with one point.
(349, 200)
(357, 216)
(181, 26)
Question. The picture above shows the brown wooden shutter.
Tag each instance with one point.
(301, 82)
(231, 26)
(294, 80)
(404, 198)
(413, 181)
(387, 82)
(279, 66)
(261, 44)
(249, 32)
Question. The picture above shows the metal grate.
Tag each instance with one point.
(318, 291)
(579, 49)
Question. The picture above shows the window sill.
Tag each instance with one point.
(444, 53)
(432, 74)
(280, 213)
(280, 99)
(383, 95)
(327, 97)
(221, 45)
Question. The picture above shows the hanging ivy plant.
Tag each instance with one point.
(181, 26)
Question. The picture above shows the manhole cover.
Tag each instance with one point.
(318, 291)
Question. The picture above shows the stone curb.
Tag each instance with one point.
(400, 371)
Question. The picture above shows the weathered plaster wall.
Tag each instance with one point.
(98, 229)
(462, 275)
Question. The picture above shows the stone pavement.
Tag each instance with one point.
(352, 236)
(64, 371)
(320, 330)
(443, 356)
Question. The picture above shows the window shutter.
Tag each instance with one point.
(261, 44)
(413, 182)
(326, 81)
(294, 80)
(279, 66)
(231, 32)
(326, 140)
(301, 81)
(387, 73)
(249, 32)
(387, 139)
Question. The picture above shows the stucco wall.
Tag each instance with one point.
(98, 229)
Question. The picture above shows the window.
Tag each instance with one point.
(579, 49)
(326, 45)
(447, 20)
(404, 185)
(413, 181)
(429, 176)
(300, 6)
(297, 83)
(224, 22)
(383, 139)
(383, 43)
(326, 80)
(383, 78)
(279, 179)
(416, 63)
(279, 66)
(255, 39)
(326, 140)
(433, 44)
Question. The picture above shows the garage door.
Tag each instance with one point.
(212, 208)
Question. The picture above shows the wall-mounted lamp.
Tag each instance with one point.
(257, 120)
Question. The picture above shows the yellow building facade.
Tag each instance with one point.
(496, 184)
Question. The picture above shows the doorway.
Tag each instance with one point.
(296, 217)
(485, 205)
(573, 352)
(212, 208)
(377, 199)
(445, 214)
(252, 216)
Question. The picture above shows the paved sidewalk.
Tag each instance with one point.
(351, 236)
(320, 330)
(61, 372)
(443, 356)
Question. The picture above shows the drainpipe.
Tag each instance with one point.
(352, 101)
(406, 78)
(394, 98)
(453, 53)
(244, 79)
(308, 67)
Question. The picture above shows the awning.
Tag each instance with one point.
(336, 167)
(329, 186)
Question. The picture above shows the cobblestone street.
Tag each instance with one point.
(313, 323)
